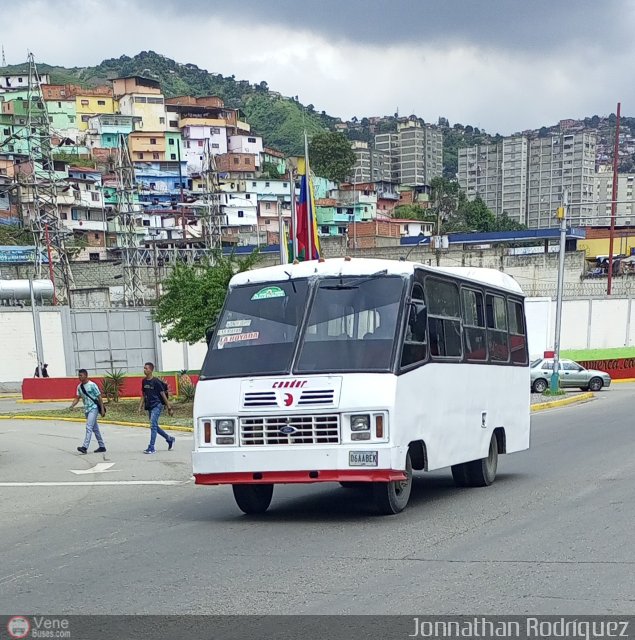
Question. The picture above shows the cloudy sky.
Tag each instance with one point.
(502, 65)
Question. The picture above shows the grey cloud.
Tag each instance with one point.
(521, 25)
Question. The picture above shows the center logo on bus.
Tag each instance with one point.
(285, 399)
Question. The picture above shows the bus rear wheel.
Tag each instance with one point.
(478, 473)
(392, 497)
(253, 499)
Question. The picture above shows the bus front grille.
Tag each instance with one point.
(289, 430)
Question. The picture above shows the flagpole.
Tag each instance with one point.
(281, 235)
(294, 213)
(309, 225)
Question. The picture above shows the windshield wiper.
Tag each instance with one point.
(355, 279)
(292, 282)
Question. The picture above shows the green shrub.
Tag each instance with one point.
(113, 384)
(187, 388)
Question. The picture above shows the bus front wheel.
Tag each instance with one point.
(478, 473)
(253, 499)
(392, 497)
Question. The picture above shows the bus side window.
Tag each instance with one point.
(415, 347)
(444, 318)
(474, 325)
(497, 337)
(517, 333)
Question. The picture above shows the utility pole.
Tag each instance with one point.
(37, 330)
(616, 153)
(127, 214)
(48, 232)
(562, 216)
(211, 216)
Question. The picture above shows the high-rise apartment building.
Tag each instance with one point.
(625, 201)
(371, 165)
(527, 178)
(479, 174)
(498, 174)
(420, 153)
(415, 151)
(513, 200)
(559, 163)
(388, 143)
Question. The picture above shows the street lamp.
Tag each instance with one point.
(562, 216)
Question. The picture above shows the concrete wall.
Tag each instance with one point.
(586, 324)
(176, 356)
(594, 323)
(537, 274)
(63, 350)
(18, 359)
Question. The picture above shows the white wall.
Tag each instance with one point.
(173, 355)
(608, 326)
(608, 323)
(539, 334)
(17, 340)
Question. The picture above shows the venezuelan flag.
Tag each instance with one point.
(307, 238)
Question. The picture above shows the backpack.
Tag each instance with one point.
(166, 389)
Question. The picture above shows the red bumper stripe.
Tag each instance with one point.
(291, 477)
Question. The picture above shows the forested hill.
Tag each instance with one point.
(281, 121)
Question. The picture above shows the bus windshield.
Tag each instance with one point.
(352, 325)
(257, 331)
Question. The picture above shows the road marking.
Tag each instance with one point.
(102, 483)
(100, 467)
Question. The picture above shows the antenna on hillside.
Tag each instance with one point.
(127, 214)
(46, 226)
(4, 60)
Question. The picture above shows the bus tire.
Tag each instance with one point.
(392, 497)
(478, 473)
(253, 499)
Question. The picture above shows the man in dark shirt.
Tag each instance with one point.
(153, 399)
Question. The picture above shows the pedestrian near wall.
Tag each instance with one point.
(44, 368)
(153, 399)
(89, 392)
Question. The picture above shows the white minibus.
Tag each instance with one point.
(360, 371)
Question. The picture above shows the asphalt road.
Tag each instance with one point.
(553, 535)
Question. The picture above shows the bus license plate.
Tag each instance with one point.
(362, 458)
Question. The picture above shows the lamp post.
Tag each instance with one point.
(562, 216)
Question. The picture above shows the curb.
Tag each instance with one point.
(561, 403)
(117, 423)
(622, 380)
(38, 400)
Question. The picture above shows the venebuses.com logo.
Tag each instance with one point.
(18, 627)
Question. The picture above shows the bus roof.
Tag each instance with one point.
(368, 266)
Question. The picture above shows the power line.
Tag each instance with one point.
(43, 183)
(128, 213)
(211, 214)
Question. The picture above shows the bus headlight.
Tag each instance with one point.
(360, 423)
(225, 427)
